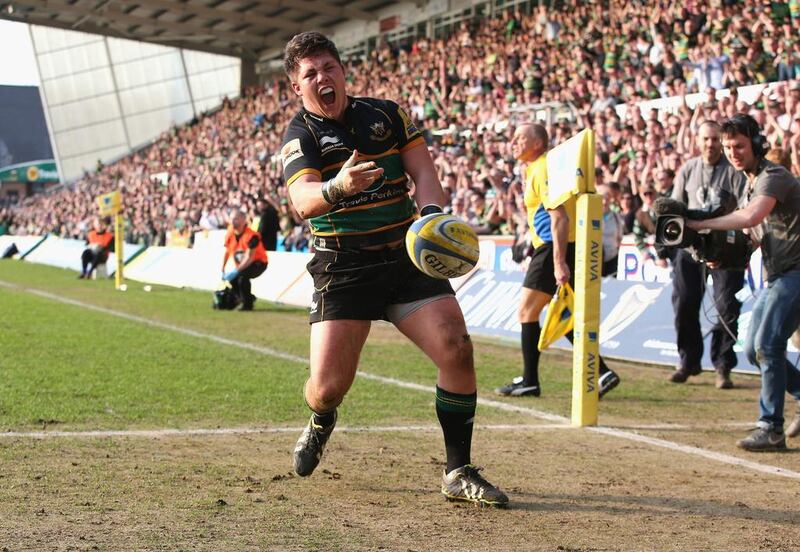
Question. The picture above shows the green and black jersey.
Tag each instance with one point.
(380, 130)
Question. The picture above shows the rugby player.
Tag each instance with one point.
(345, 162)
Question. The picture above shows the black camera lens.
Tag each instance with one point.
(673, 231)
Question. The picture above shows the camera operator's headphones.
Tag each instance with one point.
(747, 125)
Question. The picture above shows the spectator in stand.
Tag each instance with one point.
(644, 226)
(463, 89)
(268, 222)
(627, 210)
(613, 230)
(482, 216)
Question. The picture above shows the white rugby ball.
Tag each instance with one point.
(442, 246)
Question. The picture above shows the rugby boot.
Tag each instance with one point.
(466, 484)
(310, 445)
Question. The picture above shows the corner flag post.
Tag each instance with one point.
(111, 204)
(118, 249)
(588, 271)
(570, 173)
(586, 351)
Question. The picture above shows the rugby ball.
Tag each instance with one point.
(442, 246)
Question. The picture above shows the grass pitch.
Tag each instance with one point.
(67, 367)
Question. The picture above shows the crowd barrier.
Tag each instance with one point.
(24, 244)
(633, 267)
(66, 253)
(284, 281)
(636, 309)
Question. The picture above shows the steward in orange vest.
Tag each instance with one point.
(101, 242)
(248, 253)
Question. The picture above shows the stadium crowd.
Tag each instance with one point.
(467, 91)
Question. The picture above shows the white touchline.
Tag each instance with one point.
(619, 433)
(155, 433)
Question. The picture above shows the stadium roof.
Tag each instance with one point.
(248, 29)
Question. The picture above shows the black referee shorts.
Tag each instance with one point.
(541, 270)
(360, 285)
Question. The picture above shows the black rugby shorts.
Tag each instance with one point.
(541, 270)
(360, 285)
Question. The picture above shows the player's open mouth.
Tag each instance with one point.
(327, 95)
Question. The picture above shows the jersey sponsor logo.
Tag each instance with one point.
(410, 127)
(328, 143)
(379, 131)
(329, 140)
(292, 151)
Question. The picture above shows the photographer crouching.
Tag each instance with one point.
(772, 213)
(701, 184)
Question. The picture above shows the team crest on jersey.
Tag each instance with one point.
(291, 151)
(379, 131)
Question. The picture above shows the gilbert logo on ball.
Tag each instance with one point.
(442, 246)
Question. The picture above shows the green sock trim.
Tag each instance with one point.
(455, 402)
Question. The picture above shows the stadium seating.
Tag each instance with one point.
(604, 70)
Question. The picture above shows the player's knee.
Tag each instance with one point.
(460, 350)
(325, 396)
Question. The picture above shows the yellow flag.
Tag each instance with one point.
(559, 320)
(110, 203)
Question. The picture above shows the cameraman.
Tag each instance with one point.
(772, 213)
(698, 181)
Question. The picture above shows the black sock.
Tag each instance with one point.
(325, 419)
(530, 352)
(456, 415)
(603, 368)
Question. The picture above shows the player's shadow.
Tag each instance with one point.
(648, 505)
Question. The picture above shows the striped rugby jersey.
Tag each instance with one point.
(380, 130)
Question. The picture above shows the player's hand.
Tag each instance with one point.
(356, 177)
(662, 263)
(713, 265)
(561, 273)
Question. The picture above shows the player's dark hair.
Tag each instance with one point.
(304, 45)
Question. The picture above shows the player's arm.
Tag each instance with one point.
(416, 160)
(559, 226)
(752, 215)
(418, 164)
(313, 197)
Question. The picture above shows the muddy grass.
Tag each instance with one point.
(570, 490)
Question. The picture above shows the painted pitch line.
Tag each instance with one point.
(688, 449)
(622, 434)
(174, 432)
(157, 433)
